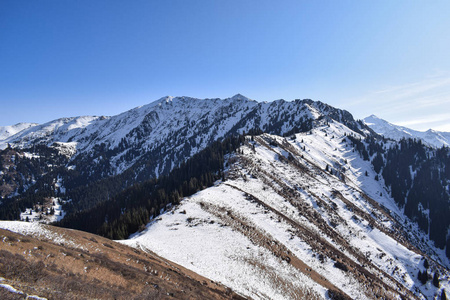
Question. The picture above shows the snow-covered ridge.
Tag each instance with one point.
(430, 137)
(174, 127)
(40, 230)
(60, 130)
(7, 131)
(291, 213)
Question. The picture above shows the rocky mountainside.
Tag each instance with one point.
(160, 135)
(430, 137)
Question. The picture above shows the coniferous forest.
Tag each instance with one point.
(130, 210)
(419, 180)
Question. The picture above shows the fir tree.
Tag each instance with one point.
(426, 264)
(436, 279)
(423, 276)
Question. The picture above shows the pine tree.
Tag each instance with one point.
(426, 264)
(436, 279)
(423, 276)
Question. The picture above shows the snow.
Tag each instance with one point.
(68, 149)
(211, 249)
(198, 234)
(7, 131)
(395, 132)
(39, 230)
(15, 291)
(10, 289)
(44, 215)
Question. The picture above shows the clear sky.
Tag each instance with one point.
(87, 57)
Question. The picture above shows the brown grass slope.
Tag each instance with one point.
(95, 268)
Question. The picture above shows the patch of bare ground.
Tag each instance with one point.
(96, 268)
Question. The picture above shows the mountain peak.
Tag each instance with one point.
(430, 137)
(240, 97)
(166, 99)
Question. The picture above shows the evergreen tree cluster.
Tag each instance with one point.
(129, 210)
(419, 180)
(31, 176)
(360, 146)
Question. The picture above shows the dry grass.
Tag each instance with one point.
(101, 269)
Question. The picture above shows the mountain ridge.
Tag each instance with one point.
(430, 137)
(299, 195)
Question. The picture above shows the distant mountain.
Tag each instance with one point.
(149, 141)
(395, 132)
(7, 131)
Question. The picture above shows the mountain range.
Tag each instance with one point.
(273, 200)
(395, 132)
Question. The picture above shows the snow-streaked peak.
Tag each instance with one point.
(7, 131)
(240, 97)
(430, 137)
(172, 123)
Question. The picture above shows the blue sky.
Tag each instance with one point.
(87, 57)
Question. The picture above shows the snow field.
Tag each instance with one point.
(200, 241)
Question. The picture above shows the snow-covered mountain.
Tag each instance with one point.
(7, 131)
(299, 217)
(395, 132)
(156, 137)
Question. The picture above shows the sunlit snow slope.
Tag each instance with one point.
(7, 131)
(298, 218)
(430, 137)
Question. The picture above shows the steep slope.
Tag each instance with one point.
(395, 132)
(65, 264)
(299, 217)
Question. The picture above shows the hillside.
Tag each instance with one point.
(38, 261)
(8, 131)
(299, 218)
